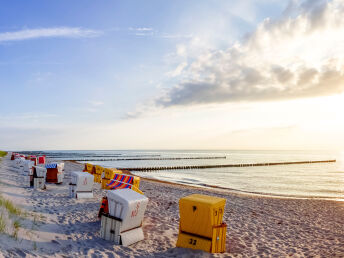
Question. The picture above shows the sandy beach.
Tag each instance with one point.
(53, 224)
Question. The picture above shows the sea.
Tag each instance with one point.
(313, 180)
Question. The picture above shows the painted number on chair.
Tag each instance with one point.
(136, 210)
(192, 241)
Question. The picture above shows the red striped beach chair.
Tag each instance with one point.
(121, 181)
(104, 207)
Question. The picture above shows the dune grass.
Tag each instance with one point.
(2, 224)
(10, 207)
(3, 153)
(16, 226)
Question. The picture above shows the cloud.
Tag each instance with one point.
(175, 36)
(132, 115)
(143, 34)
(65, 32)
(141, 29)
(95, 103)
(179, 69)
(299, 55)
(151, 32)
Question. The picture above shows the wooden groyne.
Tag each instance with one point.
(85, 155)
(133, 159)
(228, 165)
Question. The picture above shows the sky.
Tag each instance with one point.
(205, 74)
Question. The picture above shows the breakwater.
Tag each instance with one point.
(228, 165)
(133, 159)
(84, 156)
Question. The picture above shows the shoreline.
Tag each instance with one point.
(230, 190)
(257, 226)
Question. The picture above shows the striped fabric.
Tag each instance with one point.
(104, 207)
(120, 182)
(52, 165)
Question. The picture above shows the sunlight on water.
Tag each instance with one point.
(340, 161)
(320, 180)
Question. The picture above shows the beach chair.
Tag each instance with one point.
(123, 222)
(25, 168)
(104, 207)
(98, 172)
(34, 159)
(54, 173)
(28, 167)
(122, 181)
(28, 181)
(41, 160)
(39, 177)
(107, 175)
(201, 225)
(81, 185)
(88, 168)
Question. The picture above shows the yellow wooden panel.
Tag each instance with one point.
(88, 167)
(97, 178)
(99, 170)
(136, 182)
(218, 244)
(104, 183)
(199, 213)
(223, 244)
(110, 172)
(193, 242)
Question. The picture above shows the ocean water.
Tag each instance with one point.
(320, 180)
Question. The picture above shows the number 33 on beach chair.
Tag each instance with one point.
(201, 224)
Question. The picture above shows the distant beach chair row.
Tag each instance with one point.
(35, 171)
(35, 159)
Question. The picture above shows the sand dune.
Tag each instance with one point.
(56, 225)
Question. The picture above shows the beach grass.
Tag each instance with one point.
(2, 224)
(16, 226)
(3, 153)
(10, 207)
